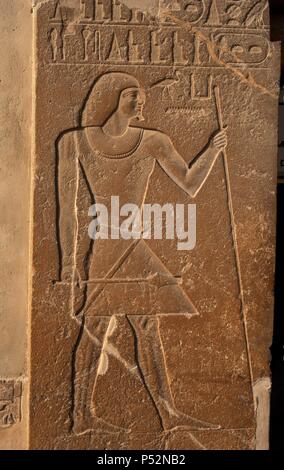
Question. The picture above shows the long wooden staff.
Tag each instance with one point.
(233, 229)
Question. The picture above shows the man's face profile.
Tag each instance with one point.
(131, 103)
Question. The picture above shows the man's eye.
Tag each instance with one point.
(131, 96)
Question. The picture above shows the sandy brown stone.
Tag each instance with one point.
(15, 169)
(134, 342)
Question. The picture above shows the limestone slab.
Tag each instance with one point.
(15, 172)
(136, 343)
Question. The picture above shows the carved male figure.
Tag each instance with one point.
(118, 158)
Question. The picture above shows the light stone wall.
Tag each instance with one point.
(15, 155)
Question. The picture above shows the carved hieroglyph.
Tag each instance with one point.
(136, 344)
(10, 402)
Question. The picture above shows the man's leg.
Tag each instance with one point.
(87, 360)
(151, 362)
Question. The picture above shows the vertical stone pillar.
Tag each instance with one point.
(15, 152)
(145, 336)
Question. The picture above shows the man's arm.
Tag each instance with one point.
(189, 178)
(67, 189)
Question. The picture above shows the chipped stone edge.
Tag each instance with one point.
(148, 6)
(262, 389)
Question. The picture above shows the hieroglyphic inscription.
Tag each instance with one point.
(239, 49)
(111, 33)
(247, 13)
(10, 402)
(152, 47)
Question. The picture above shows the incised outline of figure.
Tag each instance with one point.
(118, 158)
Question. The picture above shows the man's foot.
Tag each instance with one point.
(85, 424)
(183, 421)
(177, 419)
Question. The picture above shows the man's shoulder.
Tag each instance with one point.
(69, 136)
(156, 137)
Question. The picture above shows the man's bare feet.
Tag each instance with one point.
(90, 423)
(176, 419)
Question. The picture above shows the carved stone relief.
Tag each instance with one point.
(10, 402)
(152, 346)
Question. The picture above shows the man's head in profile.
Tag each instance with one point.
(131, 103)
(114, 92)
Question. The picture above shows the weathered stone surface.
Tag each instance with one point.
(15, 153)
(135, 343)
(10, 402)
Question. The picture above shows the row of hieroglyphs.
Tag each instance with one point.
(150, 46)
(245, 13)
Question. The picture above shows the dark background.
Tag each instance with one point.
(277, 26)
(277, 349)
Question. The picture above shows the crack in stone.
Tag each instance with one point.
(249, 80)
